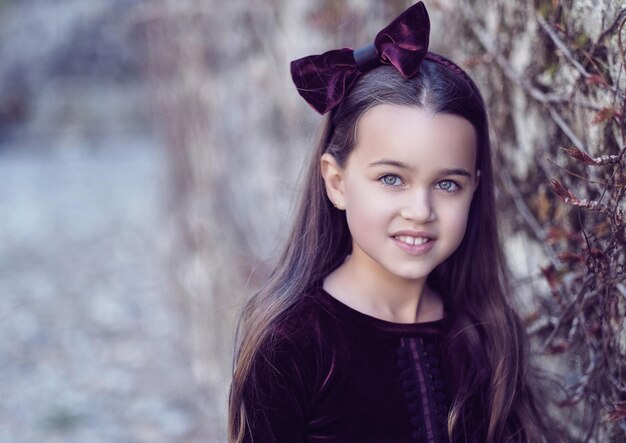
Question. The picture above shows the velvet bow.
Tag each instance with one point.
(324, 80)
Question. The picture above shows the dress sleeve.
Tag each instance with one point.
(276, 397)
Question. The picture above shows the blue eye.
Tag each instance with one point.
(390, 180)
(447, 186)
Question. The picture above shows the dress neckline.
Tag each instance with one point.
(351, 316)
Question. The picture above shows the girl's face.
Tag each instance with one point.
(406, 189)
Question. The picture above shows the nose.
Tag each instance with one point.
(419, 208)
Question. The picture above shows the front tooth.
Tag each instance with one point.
(406, 239)
(412, 240)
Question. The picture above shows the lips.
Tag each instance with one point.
(414, 243)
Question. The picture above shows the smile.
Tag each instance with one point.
(415, 245)
(412, 240)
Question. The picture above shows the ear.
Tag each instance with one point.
(477, 179)
(332, 174)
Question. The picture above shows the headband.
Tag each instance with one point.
(324, 80)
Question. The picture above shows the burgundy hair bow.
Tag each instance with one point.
(324, 80)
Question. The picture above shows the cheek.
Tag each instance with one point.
(367, 210)
(456, 219)
(361, 215)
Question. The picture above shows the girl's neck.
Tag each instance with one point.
(384, 297)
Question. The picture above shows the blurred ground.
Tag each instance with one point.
(92, 344)
(90, 350)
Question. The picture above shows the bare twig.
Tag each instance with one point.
(566, 129)
(583, 178)
(562, 46)
(611, 29)
(525, 212)
(567, 53)
(510, 73)
(567, 310)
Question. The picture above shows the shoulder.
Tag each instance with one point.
(301, 327)
(287, 367)
(302, 339)
(279, 389)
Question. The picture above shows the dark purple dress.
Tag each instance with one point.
(333, 374)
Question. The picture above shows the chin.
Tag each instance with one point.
(412, 274)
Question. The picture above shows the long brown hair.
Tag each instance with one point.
(487, 345)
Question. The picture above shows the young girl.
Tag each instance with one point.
(386, 317)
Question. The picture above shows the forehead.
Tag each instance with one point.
(415, 136)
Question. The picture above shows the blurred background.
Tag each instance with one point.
(150, 155)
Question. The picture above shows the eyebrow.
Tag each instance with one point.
(385, 162)
(448, 171)
(456, 171)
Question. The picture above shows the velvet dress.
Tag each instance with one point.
(333, 374)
